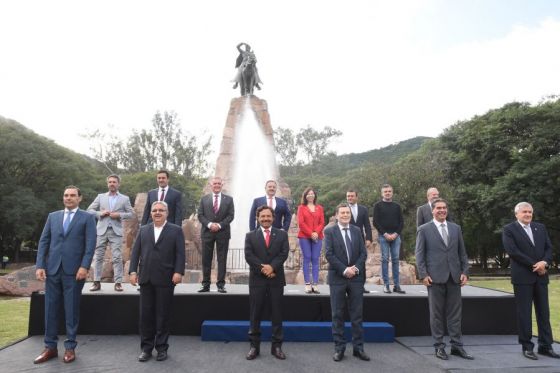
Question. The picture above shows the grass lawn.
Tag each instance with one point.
(14, 320)
(553, 298)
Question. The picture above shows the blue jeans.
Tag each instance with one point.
(392, 248)
(311, 252)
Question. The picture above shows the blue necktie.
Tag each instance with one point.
(67, 221)
(348, 244)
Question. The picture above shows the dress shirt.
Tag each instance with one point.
(527, 229)
(157, 231)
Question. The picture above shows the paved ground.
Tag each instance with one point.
(189, 354)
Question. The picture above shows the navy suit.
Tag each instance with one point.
(174, 206)
(156, 262)
(260, 286)
(528, 286)
(282, 214)
(61, 255)
(362, 222)
(346, 291)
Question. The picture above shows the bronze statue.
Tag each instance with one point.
(247, 74)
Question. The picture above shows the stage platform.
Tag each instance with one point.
(103, 353)
(485, 312)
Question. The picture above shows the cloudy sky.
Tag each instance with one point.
(380, 71)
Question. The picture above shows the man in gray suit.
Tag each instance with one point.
(110, 208)
(442, 264)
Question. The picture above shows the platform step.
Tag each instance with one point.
(294, 331)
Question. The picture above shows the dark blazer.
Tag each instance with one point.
(156, 262)
(224, 217)
(524, 254)
(256, 253)
(71, 251)
(282, 214)
(362, 222)
(335, 253)
(438, 260)
(174, 206)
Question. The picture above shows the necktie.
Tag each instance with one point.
(529, 233)
(444, 234)
(348, 244)
(215, 203)
(67, 221)
(162, 194)
(267, 237)
(270, 202)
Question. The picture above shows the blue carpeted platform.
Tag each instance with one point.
(294, 331)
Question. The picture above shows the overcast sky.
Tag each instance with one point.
(379, 71)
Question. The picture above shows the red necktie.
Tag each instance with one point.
(270, 202)
(215, 203)
(162, 195)
(267, 237)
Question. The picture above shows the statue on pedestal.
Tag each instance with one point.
(247, 74)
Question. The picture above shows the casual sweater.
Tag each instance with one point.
(387, 217)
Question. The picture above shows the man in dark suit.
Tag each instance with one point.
(282, 214)
(164, 193)
(63, 259)
(360, 218)
(443, 265)
(346, 253)
(530, 252)
(215, 213)
(424, 212)
(157, 263)
(266, 250)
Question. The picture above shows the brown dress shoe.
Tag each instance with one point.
(47, 354)
(69, 356)
(278, 353)
(95, 286)
(118, 287)
(252, 354)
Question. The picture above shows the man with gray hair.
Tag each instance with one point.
(110, 209)
(530, 251)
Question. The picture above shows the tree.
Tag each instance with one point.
(285, 142)
(162, 146)
(314, 143)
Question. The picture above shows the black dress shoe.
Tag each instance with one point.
(204, 289)
(252, 354)
(397, 289)
(548, 352)
(338, 355)
(144, 356)
(460, 351)
(441, 354)
(386, 289)
(366, 291)
(222, 290)
(530, 355)
(161, 355)
(360, 354)
(278, 353)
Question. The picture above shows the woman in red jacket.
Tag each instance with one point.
(311, 221)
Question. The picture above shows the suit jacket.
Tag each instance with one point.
(122, 206)
(335, 253)
(524, 254)
(362, 222)
(174, 206)
(282, 214)
(224, 216)
(256, 253)
(309, 222)
(438, 260)
(156, 262)
(424, 215)
(71, 250)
